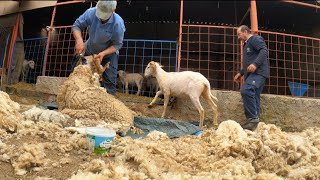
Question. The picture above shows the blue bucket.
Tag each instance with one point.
(297, 89)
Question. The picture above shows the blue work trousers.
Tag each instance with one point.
(250, 93)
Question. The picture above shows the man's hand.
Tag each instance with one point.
(99, 57)
(251, 68)
(237, 77)
(80, 47)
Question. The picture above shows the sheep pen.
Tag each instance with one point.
(40, 147)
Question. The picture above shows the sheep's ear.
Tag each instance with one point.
(151, 62)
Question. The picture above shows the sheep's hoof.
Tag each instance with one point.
(150, 105)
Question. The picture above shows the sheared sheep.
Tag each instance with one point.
(26, 66)
(192, 84)
(131, 78)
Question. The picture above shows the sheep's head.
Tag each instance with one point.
(151, 69)
(94, 63)
(121, 74)
(31, 64)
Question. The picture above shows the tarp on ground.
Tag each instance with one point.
(173, 128)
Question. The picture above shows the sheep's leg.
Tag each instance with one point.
(155, 98)
(101, 68)
(166, 101)
(22, 78)
(196, 102)
(127, 87)
(139, 88)
(208, 96)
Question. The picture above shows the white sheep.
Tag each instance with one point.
(132, 79)
(26, 66)
(187, 83)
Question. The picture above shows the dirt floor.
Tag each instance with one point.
(138, 104)
(45, 150)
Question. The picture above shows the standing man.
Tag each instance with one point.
(106, 32)
(255, 71)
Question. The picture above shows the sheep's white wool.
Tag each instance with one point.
(180, 84)
(38, 114)
(80, 98)
(9, 113)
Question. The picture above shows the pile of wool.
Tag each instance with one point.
(226, 153)
(9, 113)
(45, 136)
(54, 133)
(37, 114)
(28, 157)
(80, 98)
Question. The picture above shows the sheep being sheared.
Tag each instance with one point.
(80, 97)
(26, 66)
(187, 83)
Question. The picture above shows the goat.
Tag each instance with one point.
(131, 78)
(26, 66)
(192, 84)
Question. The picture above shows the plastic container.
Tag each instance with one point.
(99, 140)
(297, 89)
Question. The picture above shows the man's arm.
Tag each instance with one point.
(260, 45)
(83, 21)
(78, 26)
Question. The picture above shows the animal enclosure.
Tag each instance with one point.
(206, 47)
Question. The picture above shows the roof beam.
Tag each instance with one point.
(301, 3)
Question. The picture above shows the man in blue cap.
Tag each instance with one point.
(106, 33)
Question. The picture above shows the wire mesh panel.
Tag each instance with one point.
(294, 64)
(34, 53)
(137, 53)
(134, 55)
(60, 52)
(213, 51)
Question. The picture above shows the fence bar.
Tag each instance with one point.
(180, 35)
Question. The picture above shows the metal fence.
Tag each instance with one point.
(137, 53)
(294, 64)
(34, 50)
(215, 52)
(134, 55)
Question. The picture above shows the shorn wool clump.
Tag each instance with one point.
(80, 98)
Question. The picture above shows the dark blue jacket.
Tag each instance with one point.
(255, 52)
